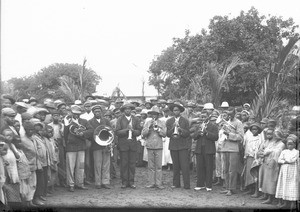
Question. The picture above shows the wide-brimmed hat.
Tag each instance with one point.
(128, 105)
(144, 111)
(102, 102)
(176, 104)
(41, 110)
(154, 110)
(170, 101)
(76, 109)
(22, 104)
(50, 105)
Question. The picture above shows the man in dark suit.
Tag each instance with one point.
(127, 129)
(205, 135)
(75, 133)
(101, 154)
(180, 143)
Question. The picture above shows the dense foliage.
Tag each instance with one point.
(183, 70)
(54, 81)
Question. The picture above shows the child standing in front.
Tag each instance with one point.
(288, 181)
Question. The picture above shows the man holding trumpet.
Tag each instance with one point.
(180, 143)
(154, 130)
(127, 129)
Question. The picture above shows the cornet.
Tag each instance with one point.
(176, 132)
(155, 125)
(130, 130)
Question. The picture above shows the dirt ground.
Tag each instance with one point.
(142, 197)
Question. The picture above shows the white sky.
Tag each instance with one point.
(113, 35)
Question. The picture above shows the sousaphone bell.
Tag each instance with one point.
(104, 135)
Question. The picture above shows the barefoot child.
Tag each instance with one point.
(287, 185)
(251, 145)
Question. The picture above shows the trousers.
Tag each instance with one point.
(128, 162)
(231, 162)
(40, 183)
(180, 160)
(205, 170)
(155, 166)
(75, 168)
(102, 166)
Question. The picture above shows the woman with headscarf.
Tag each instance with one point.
(269, 169)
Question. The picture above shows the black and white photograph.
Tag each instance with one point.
(149, 105)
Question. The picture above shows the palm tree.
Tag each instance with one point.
(217, 81)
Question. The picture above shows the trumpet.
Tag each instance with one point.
(130, 130)
(176, 132)
(155, 125)
(227, 126)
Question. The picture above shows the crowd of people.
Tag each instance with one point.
(49, 143)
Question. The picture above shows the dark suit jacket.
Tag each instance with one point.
(122, 132)
(76, 143)
(93, 124)
(183, 141)
(207, 140)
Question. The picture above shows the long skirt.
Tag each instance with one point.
(249, 179)
(12, 192)
(268, 175)
(167, 159)
(288, 182)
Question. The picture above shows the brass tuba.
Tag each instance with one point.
(76, 128)
(104, 136)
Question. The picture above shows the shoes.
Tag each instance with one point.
(255, 195)
(105, 186)
(208, 189)
(198, 188)
(82, 188)
(187, 187)
(43, 198)
(160, 187)
(132, 186)
(38, 202)
(98, 186)
(123, 186)
(150, 186)
(224, 192)
(175, 186)
(71, 189)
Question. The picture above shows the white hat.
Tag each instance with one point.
(246, 104)
(208, 106)
(296, 108)
(224, 104)
(22, 104)
(78, 102)
(144, 111)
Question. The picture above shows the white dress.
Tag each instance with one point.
(288, 179)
